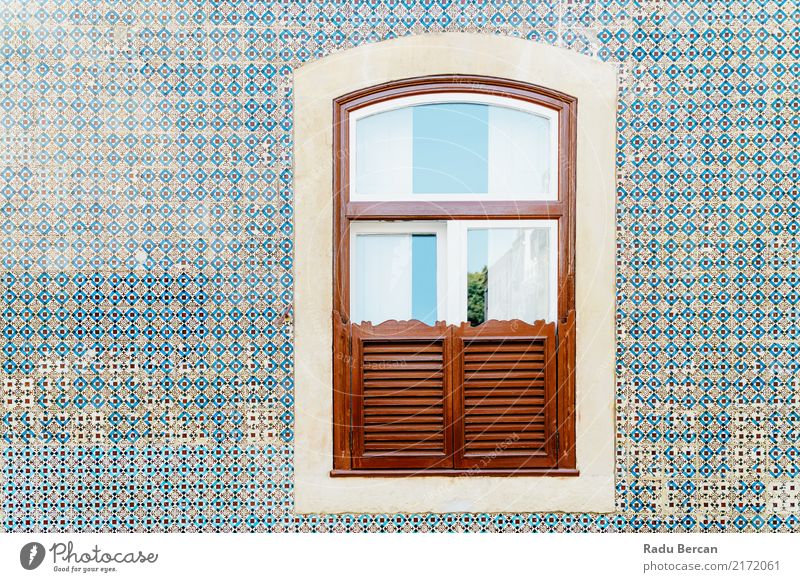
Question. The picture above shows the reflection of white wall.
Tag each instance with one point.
(383, 278)
(384, 153)
(518, 281)
(519, 152)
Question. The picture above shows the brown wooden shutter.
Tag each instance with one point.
(505, 400)
(401, 392)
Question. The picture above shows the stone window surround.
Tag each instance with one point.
(594, 84)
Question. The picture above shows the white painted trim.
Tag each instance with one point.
(455, 97)
(316, 85)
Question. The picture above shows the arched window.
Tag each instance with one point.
(453, 300)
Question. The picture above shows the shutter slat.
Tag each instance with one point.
(404, 401)
(499, 374)
(522, 435)
(510, 366)
(481, 427)
(404, 411)
(513, 418)
(478, 358)
(431, 427)
(519, 401)
(417, 350)
(417, 393)
(410, 435)
(501, 411)
(420, 370)
(501, 392)
(424, 419)
(399, 448)
(502, 348)
(508, 445)
(400, 383)
(505, 383)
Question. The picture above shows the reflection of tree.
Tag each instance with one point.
(477, 283)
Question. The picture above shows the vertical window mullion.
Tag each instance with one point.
(443, 266)
(456, 261)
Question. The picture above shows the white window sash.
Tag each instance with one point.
(451, 257)
(400, 102)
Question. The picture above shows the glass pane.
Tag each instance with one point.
(423, 278)
(383, 153)
(519, 146)
(395, 278)
(447, 149)
(451, 143)
(508, 274)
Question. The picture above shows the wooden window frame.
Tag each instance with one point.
(562, 209)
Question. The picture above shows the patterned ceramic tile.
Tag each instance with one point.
(146, 234)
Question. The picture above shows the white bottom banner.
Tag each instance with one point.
(406, 557)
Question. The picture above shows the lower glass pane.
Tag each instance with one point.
(394, 278)
(509, 274)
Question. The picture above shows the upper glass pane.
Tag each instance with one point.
(450, 149)
(454, 151)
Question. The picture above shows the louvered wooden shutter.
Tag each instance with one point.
(505, 397)
(401, 391)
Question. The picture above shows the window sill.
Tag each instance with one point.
(456, 473)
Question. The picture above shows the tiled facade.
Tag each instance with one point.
(146, 228)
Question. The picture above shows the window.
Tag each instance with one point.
(454, 310)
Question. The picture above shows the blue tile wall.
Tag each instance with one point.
(146, 228)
